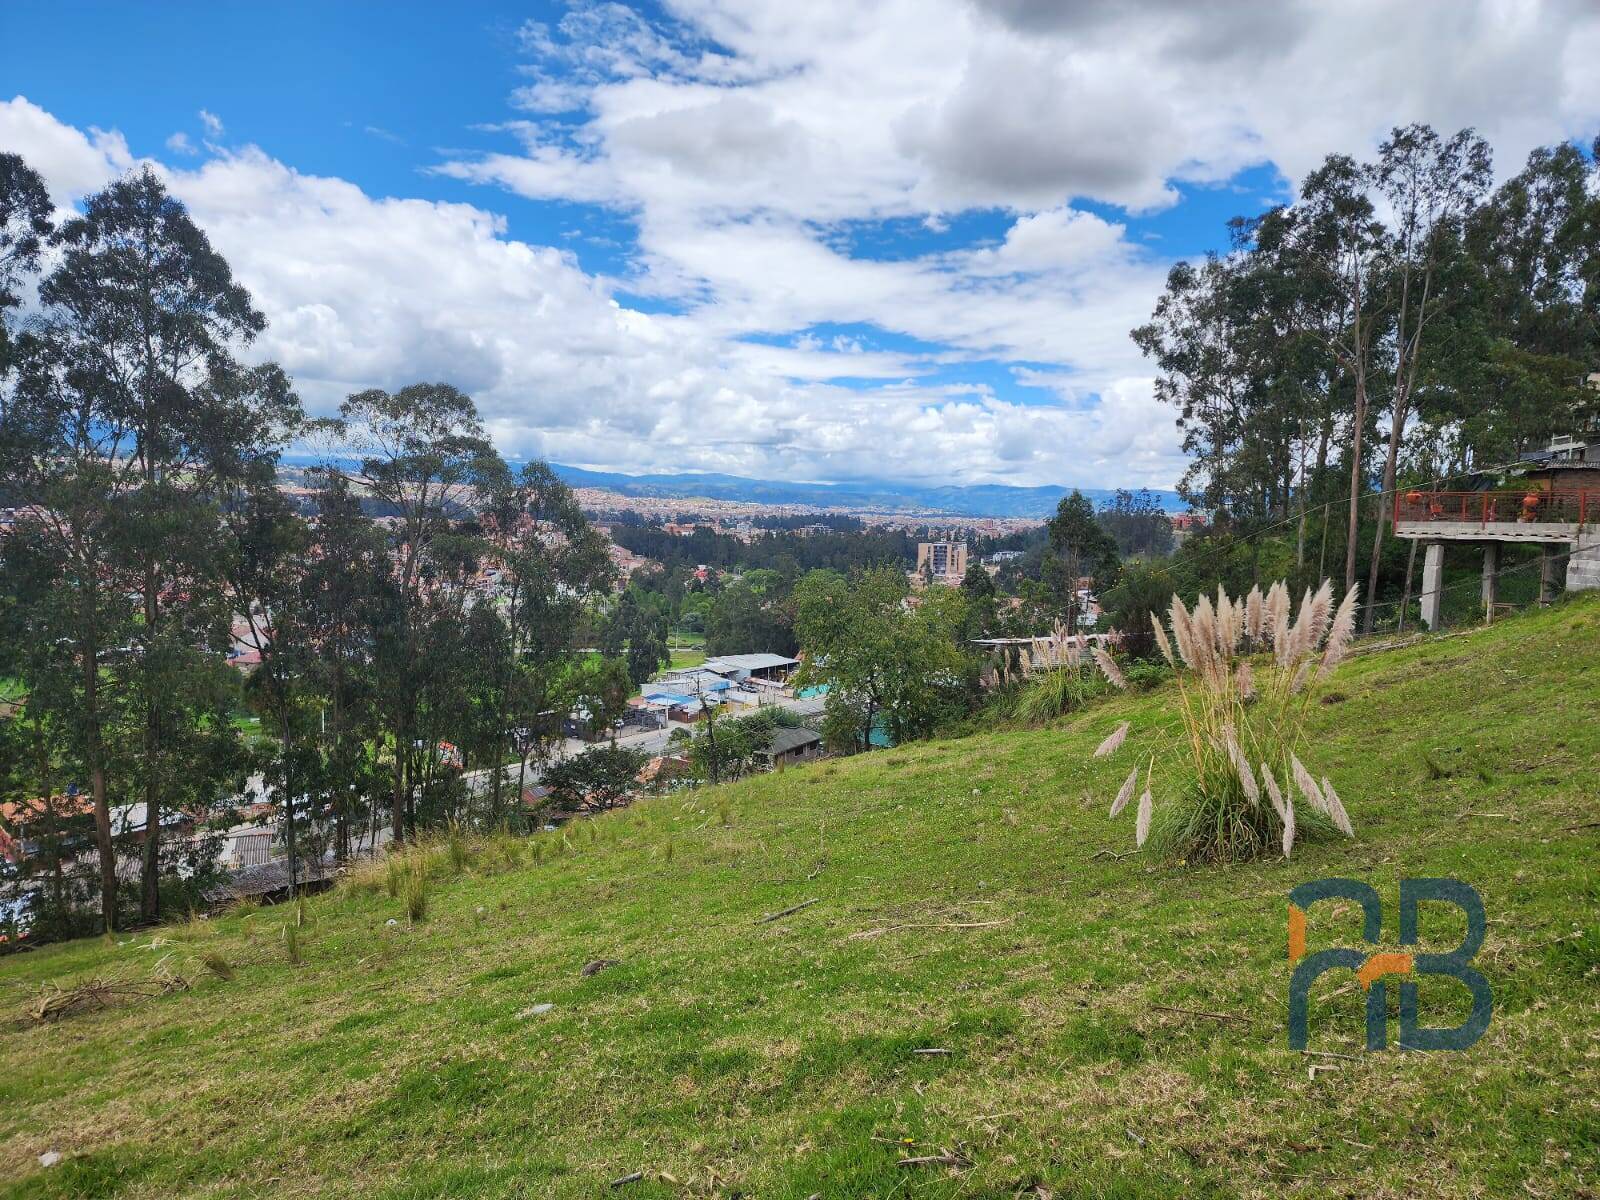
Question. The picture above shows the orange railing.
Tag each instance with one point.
(1522, 507)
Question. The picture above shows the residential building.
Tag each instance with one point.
(1580, 446)
(790, 746)
(1185, 526)
(941, 562)
(744, 668)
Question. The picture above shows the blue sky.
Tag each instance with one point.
(371, 93)
(830, 241)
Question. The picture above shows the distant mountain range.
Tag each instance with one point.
(979, 500)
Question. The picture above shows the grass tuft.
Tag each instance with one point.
(414, 892)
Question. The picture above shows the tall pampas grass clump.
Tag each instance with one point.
(1057, 677)
(1246, 676)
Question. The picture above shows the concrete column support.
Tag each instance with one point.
(1549, 572)
(1432, 583)
(1583, 566)
(1491, 578)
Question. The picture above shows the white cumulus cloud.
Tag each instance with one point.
(757, 147)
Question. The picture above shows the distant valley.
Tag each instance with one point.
(979, 500)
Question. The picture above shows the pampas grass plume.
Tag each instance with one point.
(1109, 746)
(1273, 794)
(1183, 634)
(1341, 819)
(1307, 785)
(1126, 793)
(1339, 635)
(1247, 779)
(1252, 614)
(1162, 642)
(1109, 668)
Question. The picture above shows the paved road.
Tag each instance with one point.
(654, 741)
(651, 741)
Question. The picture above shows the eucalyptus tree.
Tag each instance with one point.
(1429, 186)
(348, 590)
(1263, 348)
(153, 419)
(551, 563)
(73, 602)
(268, 570)
(1232, 358)
(1337, 244)
(1194, 339)
(425, 460)
(38, 760)
(1526, 330)
(25, 228)
(1304, 318)
(636, 632)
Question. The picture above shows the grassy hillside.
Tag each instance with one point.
(967, 899)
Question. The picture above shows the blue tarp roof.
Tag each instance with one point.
(668, 698)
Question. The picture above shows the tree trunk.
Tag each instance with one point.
(52, 821)
(499, 765)
(150, 873)
(288, 803)
(1405, 596)
(97, 785)
(400, 755)
(102, 837)
(1355, 480)
(372, 825)
(1390, 464)
(1300, 534)
(346, 808)
(711, 739)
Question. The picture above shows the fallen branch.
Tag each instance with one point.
(1199, 1012)
(931, 1050)
(55, 1002)
(1112, 854)
(633, 1177)
(1333, 1054)
(793, 908)
(872, 933)
(935, 1160)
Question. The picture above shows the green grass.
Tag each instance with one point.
(684, 657)
(777, 1059)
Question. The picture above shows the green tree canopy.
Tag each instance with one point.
(886, 658)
